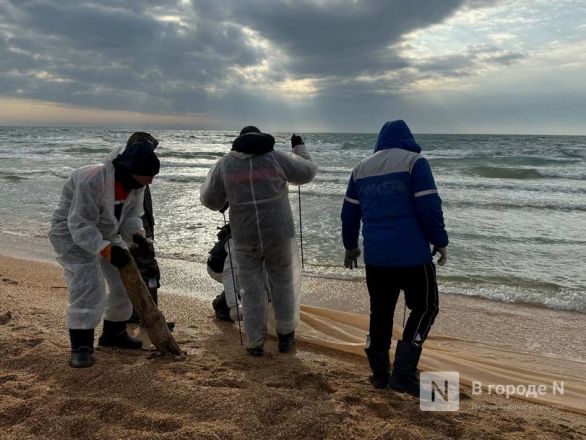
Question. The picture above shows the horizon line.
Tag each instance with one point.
(153, 128)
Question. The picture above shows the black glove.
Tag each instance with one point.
(351, 258)
(120, 257)
(296, 140)
(141, 242)
(224, 233)
(223, 209)
(142, 248)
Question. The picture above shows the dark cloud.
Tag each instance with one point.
(340, 37)
(166, 56)
(108, 52)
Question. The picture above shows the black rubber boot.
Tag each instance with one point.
(154, 294)
(256, 351)
(221, 308)
(115, 335)
(134, 318)
(380, 366)
(286, 342)
(82, 347)
(404, 378)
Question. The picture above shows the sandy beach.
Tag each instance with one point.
(438, 146)
(218, 391)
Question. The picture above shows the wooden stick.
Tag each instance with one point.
(152, 320)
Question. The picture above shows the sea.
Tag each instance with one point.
(514, 205)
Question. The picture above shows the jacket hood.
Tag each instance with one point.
(254, 143)
(396, 134)
(114, 153)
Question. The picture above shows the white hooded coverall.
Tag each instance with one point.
(81, 227)
(263, 231)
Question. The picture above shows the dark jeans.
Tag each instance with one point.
(421, 296)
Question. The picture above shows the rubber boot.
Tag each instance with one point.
(286, 342)
(221, 308)
(134, 318)
(155, 295)
(256, 351)
(380, 366)
(82, 347)
(404, 378)
(115, 335)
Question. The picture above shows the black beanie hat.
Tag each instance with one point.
(139, 159)
(141, 136)
(249, 129)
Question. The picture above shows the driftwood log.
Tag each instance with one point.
(152, 320)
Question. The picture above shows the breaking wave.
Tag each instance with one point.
(505, 173)
(12, 177)
(190, 154)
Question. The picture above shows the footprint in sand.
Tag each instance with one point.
(224, 382)
(150, 422)
(119, 414)
(312, 381)
(8, 378)
(5, 317)
(33, 342)
(9, 281)
(14, 411)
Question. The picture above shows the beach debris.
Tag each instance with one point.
(5, 317)
(152, 320)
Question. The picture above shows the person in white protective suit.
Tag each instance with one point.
(100, 211)
(219, 266)
(253, 180)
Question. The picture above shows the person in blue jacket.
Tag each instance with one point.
(393, 193)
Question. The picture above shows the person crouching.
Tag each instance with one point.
(100, 208)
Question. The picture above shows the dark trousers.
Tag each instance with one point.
(421, 296)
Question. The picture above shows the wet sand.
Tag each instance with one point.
(218, 391)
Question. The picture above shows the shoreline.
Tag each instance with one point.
(541, 330)
(20, 246)
(217, 390)
(473, 318)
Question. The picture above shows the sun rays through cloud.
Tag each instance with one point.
(343, 62)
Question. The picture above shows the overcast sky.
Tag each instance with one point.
(449, 66)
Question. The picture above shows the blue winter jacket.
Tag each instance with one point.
(393, 193)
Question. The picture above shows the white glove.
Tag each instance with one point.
(443, 255)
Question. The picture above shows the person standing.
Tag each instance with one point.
(142, 249)
(393, 193)
(253, 178)
(99, 212)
